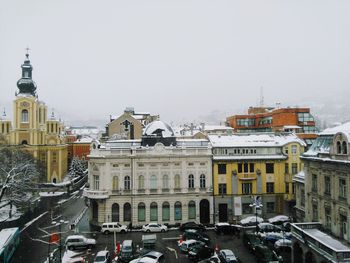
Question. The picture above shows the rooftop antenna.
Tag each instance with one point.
(261, 104)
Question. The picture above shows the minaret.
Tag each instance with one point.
(25, 84)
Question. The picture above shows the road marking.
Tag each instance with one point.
(171, 249)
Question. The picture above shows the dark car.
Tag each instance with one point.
(226, 229)
(198, 253)
(192, 225)
(264, 254)
(250, 240)
(197, 235)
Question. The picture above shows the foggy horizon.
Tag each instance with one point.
(183, 60)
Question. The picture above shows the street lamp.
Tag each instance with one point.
(258, 205)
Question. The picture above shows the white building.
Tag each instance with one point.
(155, 179)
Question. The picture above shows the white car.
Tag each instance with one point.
(227, 255)
(150, 257)
(251, 220)
(79, 241)
(154, 227)
(102, 257)
(113, 227)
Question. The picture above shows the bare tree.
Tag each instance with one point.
(18, 177)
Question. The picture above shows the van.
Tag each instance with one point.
(127, 252)
(113, 227)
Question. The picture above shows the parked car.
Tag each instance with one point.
(127, 252)
(154, 227)
(198, 253)
(185, 246)
(213, 259)
(79, 241)
(150, 257)
(279, 219)
(265, 255)
(226, 229)
(271, 237)
(192, 225)
(113, 227)
(283, 244)
(250, 240)
(227, 256)
(197, 235)
(251, 221)
(102, 257)
(267, 227)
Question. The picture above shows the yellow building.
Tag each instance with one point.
(32, 130)
(247, 166)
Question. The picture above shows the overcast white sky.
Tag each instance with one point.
(179, 59)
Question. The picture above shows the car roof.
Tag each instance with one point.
(127, 242)
(222, 224)
(102, 253)
(189, 241)
(75, 236)
(153, 253)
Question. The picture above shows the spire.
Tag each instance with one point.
(25, 84)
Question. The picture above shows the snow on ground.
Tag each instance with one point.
(51, 194)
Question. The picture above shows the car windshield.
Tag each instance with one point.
(100, 258)
(125, 254)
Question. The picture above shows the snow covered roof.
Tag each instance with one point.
(291, 127)
(216, 127)
(51, 194)
(254, 140)
(84, 140)
(345, 128)
(299, 177)
(327, 240)
(152, 128)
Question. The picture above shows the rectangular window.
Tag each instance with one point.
(251, 167)
(270, 188)
(286, 150)
(342, 188)
(270, 168)
(245, 168)
(246, 208)
(240, 168)
(294, 168)
(222, 168)
(270, 207)
(294, 149)
(287, 188)
(222, 189)
(314, 183)
(247, 188)
(96, 182)
(286, 168)
(293, 188)
(327, 185)
(314, 213)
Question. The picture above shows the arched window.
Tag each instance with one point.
(115, 213)
(154, 212)
(191, 181)
(25, 116)
(344, 148)
(127, 182)
(153, 182)
(166, 211)
(127, 212)
(141, 212)
(141, 182)
(178, 211)
(115, 183)
(202, 181)
(192, 210)
(177, 181)
(165, 181)
(338, 147)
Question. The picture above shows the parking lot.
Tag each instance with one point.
(167, 244)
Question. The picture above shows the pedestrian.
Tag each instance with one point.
(130, 226)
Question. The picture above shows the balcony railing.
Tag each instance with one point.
(95, 194)
(249, 176)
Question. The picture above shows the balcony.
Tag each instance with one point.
(312, 236)
(95, 194)
(247, 177)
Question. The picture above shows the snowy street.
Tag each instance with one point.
(34, 241)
